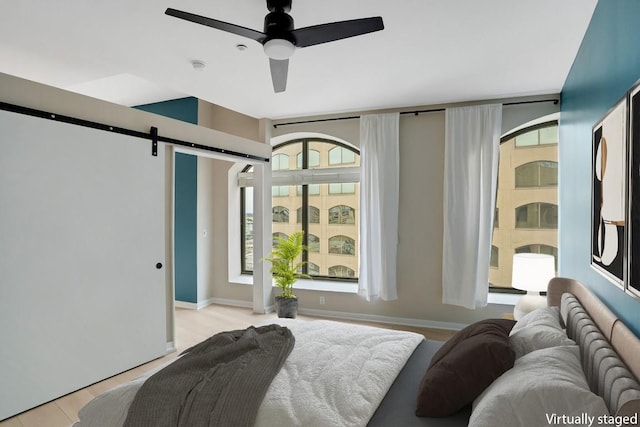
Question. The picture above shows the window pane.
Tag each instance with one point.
(314, 215)
(341, 271)
(313, 212)
(247, 238)
(537, 174)
(494, 257)
(280, 191)
(341, 156)
(280, 162)
(527, 139)
(527, 216)
(342, 188)
(276, 236)
(549, 135)
(335, 188)
(331, 241)
(280, 214)
(527, 198)
(342, 245)
(527, 175)
(548, 215)
(335, 156)
(314, 158)
(348, 188)
(548, 173)
(348, 156)
(314, 269)
(314, 243)
(342, 215)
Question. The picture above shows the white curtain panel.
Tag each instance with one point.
(379, 184)
(472, 148)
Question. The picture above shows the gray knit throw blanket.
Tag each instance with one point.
(218, 382)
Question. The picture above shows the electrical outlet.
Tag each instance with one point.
(322, 300)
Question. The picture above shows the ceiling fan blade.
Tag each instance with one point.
(279, 70)
(220, 25)
(323, 33)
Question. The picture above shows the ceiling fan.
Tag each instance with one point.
(279, 37)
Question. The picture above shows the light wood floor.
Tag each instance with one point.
(192, 326)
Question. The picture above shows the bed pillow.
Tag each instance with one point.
(464, 366)
(541, 384)
(545, 316)
(537, 330)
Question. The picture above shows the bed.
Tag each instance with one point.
(572, 362)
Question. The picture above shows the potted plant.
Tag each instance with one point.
(286, 267)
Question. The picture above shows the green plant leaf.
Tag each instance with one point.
(285, 263)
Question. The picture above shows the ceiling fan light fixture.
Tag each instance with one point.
(279, 49)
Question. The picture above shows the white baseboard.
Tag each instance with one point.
(171, 347)
(193, 305)
(333, 314)
(232, 302)
(240, 303)
(383, 319)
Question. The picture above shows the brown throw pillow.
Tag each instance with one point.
(464, 366)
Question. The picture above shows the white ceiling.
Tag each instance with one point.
(430, 52)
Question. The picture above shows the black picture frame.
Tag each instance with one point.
(633, 246)
(609, 193)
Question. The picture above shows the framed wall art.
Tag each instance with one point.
(609, 194)
(633, 282)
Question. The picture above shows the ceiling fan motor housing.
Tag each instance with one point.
(279, 25)
(279, 5)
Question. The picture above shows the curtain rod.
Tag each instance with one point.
(415, 113)
(152, 135)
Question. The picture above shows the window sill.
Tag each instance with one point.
(503, 298)
(498, 298)
(307, 284)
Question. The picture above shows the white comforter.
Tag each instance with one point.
(336, 375)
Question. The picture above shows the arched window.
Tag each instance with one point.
(280, 214)
(277, 236)
(342, 245)
(313, 243)
(341, 271)
(539, 173)
(527, 197)
(314, 215)
(314, 269)
(279, 162)
(326, 197)
(341, 156)
(314, 159)
(537, 215)
(342, 214)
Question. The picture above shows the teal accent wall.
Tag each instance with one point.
(186, 200)
(185, 109)
(606, 66)
(186, 227)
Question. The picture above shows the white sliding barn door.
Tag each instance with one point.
(81, 231)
